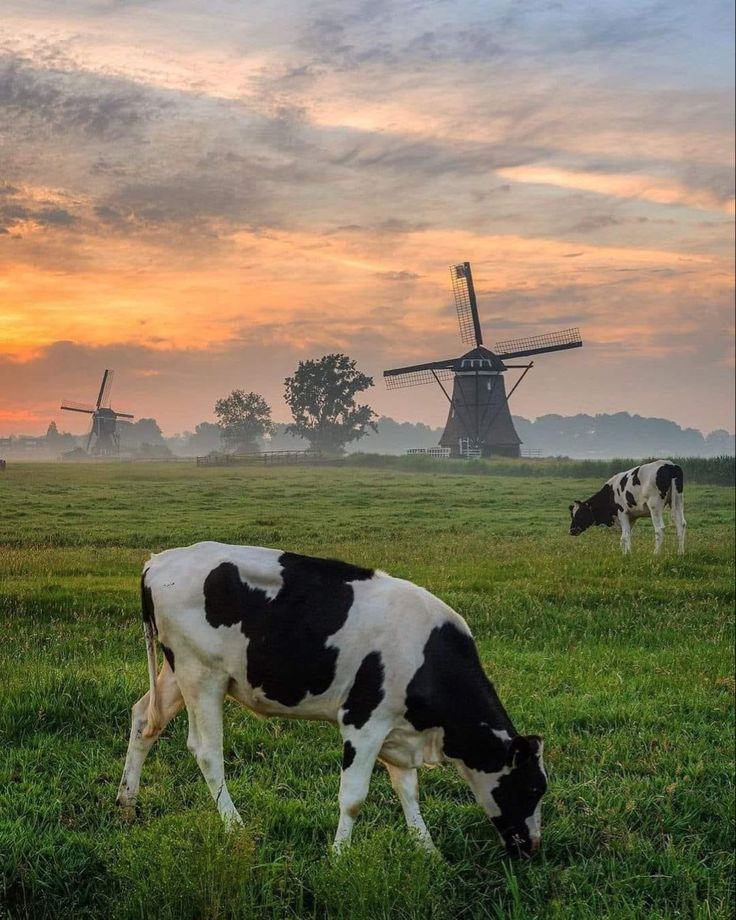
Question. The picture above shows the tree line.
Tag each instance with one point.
(321, 395)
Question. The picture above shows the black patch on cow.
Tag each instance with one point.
(619, 507)
(147, 608)
(168, 655)
(366, 692)
(603, 505)
(517, 795)
(635, 481)
(630, 499)
(599, 509)
(666, 475)
(622, 483)
(288, 653)
(348, 755)
(451, 691)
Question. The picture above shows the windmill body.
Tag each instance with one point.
(103, 439)
(479, 419)
(479, 422)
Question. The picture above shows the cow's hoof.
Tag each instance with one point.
(128, 811)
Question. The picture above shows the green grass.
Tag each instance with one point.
(714, 471)
(624, 665)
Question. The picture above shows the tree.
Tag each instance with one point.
(321, 396)
(243, 418)
(206, 437)
(144, 431)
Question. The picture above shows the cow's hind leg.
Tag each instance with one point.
(139, 744)
(678, 517)
(406, 787)
(360, 750)
(658, 524)
(204, 706)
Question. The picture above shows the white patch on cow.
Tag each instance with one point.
(502, 734)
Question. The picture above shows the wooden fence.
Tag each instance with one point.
(264, 458)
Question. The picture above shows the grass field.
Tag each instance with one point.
(624, 665)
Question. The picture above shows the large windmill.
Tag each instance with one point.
(104, 429)
(479, 422)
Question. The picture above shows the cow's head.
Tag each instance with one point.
(581, 518)
(512, 798)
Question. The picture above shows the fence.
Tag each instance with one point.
(264, 458)
(440, 453)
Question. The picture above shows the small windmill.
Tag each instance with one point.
(479, 422)
(104, 419)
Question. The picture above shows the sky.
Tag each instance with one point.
(200, 195)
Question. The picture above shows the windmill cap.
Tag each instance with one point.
(479, 358)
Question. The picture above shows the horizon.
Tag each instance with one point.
(201, 199)
(170, 435)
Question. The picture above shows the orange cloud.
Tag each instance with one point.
(646, 188)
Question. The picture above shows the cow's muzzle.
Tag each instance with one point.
(521, 846)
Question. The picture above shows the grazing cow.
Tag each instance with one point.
(301, 637)
(640, 492)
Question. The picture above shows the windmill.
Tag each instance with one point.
(104, 419)
(479, 422)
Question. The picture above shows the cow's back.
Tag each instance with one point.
(291, 631)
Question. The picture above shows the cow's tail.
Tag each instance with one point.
(678, 482)
(153, 725)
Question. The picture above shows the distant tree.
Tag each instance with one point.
(720, 442)
(206, 437)
(58, 440)
(53, 437)
(243, 418)
(321, 396)
(144, 431)
(154, 451)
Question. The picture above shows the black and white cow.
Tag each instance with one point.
(301, 637)
(643, 491)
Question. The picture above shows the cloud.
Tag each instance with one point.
(188, 186)
(56, 102)
(649, 188)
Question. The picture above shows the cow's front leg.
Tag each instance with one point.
(359, 753)
(406, 787)
(625, 523)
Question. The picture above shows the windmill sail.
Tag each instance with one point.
(77, 407)
(103, 398)
(539, 344)
(418, 374)
(465, 303)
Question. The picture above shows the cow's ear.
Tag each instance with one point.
(523, 748)
(571, 507)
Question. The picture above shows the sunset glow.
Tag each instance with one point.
(201, 195)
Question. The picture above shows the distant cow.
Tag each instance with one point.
(300, 637)
(640, 492)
